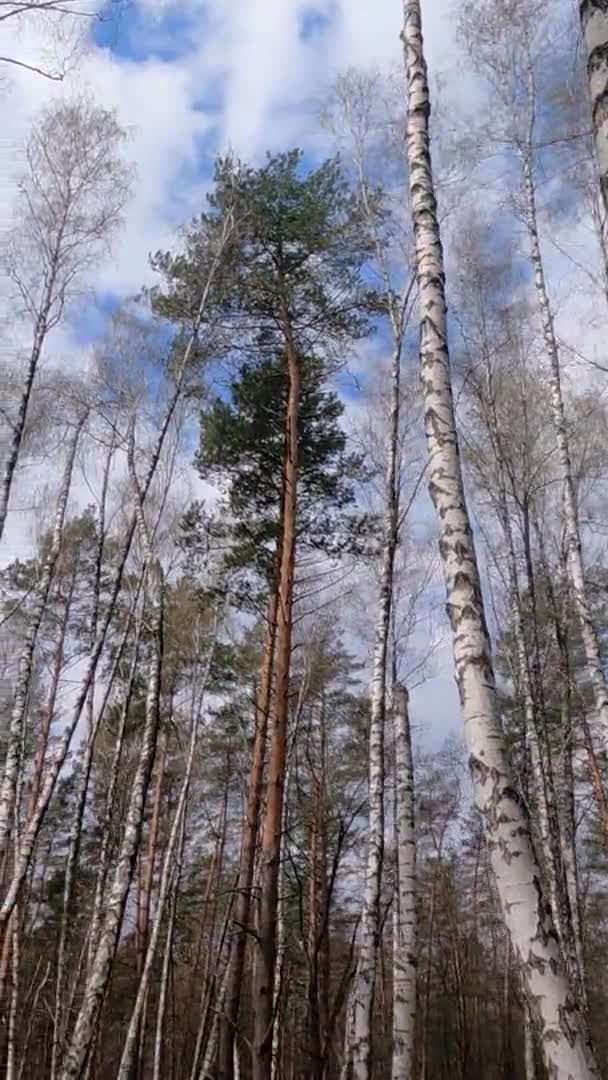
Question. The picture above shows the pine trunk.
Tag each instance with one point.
(516, 872)
(251, 823)
(271, 835)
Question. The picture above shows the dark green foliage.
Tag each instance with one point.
(241, 448)
(297, 252)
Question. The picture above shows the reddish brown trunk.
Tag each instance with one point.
(318, 958)
(271, 836)
(242, 905)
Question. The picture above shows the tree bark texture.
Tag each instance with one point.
(594, 24)
(271, 835)
(404, 902)
(515, 869)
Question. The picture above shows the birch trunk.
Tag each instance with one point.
(31, 833)
(530, 677)
(164, 979)
(529, 1066)
(41, 330)
(26, 660)
(173, 844)
(593, 661)
(83, 782)
(404, 903)
(271, 835)
(11, 1057)
(514, 866)
(30, 836)
(99, 972)
(103, 864)
(365, 977)
(594, 23)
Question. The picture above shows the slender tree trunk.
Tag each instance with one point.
(11, 1057)
(529, 1065)
(426, 1010)
(251, 822)
(271, 836)
(365, 978)
(48, 710)
(146, 880)
(99, 973)
(404, 903)
(594, 23)
(41, 330)
(106, 823)
(593, 660)
(26, 660)
(164, 979)
(515, 869)
(28, 843)
(127, 1060)
(148, 871)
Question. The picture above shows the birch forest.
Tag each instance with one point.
(303, 562)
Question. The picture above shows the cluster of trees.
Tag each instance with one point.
(221, 854)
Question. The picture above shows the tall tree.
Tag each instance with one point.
(594, 24)
(296, 292)
(71, 200)
(514, 865)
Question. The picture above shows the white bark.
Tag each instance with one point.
(102, 868)
(515, 869)
(593, 661)
(404, 903)
(594, 23)
(97, 980)
(126, 1061)
(536, 735)
(365, 977)
(70, 204)
(26, 660)
(164, 979)
(29, 839)
(18, 424)
(529, 1066)
(83, 784)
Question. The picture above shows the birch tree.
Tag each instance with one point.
(594, 24)
(516, 872)
(13, 764)
(355, 118)
(70, 205)
(518, 100)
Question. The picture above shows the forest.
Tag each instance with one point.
(344, 447)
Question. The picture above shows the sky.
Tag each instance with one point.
(191, 79)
